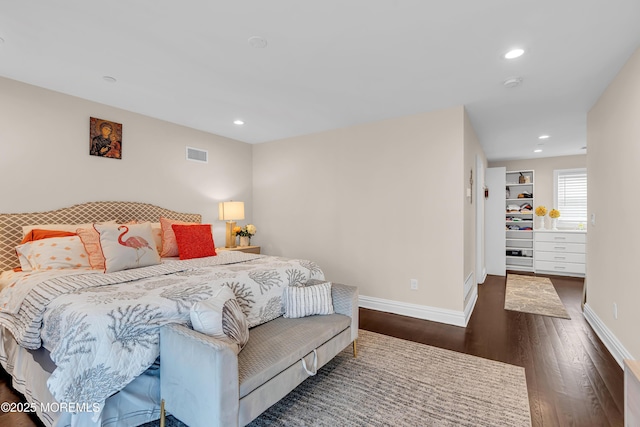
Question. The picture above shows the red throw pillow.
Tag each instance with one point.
(39, 234)
(194, 241)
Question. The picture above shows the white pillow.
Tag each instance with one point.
(157, 234)
(53, 254)
(301, 301)
(8, 277)
(127, 246)
(23, 251)
(221, 317)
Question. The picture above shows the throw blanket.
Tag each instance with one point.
(103, 329)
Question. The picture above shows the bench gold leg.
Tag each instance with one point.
(355, 348)
(162, 413)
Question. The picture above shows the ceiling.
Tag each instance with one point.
(331, 64)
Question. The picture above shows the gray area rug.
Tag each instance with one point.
(395, 382)
(535, 295)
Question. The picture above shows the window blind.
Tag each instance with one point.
(571, 194)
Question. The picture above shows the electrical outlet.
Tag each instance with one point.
(414, 284)
(593, 219)
(615, 310)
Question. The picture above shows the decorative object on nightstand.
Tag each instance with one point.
(541, 211)
(230, 212)
(554, 214)
(245, 233)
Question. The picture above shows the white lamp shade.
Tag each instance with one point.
(230, 211)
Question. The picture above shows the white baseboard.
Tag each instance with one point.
(469, 284)
(483, 276)
(615, 347)
(468, 310)
(442, 315)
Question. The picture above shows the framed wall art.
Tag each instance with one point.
(105, 138)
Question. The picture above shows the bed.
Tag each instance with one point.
(82, 345)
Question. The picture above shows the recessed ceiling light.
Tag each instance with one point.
(514, 53)
(538, 150)
(512, 82)
(238, 122)
(257, 42)
(109, 79)
(544, 137)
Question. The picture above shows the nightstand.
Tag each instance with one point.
(246, 249)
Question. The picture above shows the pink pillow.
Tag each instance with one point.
(194, 241)
(169, 244)
(91, 241)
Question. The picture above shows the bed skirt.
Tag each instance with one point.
(136, 404)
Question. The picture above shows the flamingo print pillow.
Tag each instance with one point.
(127, 246)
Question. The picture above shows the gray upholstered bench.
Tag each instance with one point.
(204, 382)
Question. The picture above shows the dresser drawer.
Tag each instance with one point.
(561, 257)
(561, 237)
(560, 267)
(560, 247)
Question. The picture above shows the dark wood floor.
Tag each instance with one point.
(571, 377)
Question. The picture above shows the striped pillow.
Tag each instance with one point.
(301, 301)
(221, 317)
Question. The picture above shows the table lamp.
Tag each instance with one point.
(230, 212)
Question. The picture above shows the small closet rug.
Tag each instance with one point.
(535, 295)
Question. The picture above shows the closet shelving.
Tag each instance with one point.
(518, 220)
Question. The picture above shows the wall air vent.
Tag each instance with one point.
(197, 155)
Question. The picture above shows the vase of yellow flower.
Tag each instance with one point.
(541, 211)
(554, 214)
(245, 234)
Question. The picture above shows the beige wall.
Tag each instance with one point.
(472, 149)
(375, 205)
(613, 137)
(45, 162)
(543, 175)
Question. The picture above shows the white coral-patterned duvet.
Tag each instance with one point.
(102, 330)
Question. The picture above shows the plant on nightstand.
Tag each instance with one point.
(245, 233)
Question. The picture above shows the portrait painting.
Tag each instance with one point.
(105, 138)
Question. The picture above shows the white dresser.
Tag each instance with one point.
(560, 252)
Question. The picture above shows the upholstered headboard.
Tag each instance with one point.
(11, 224)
